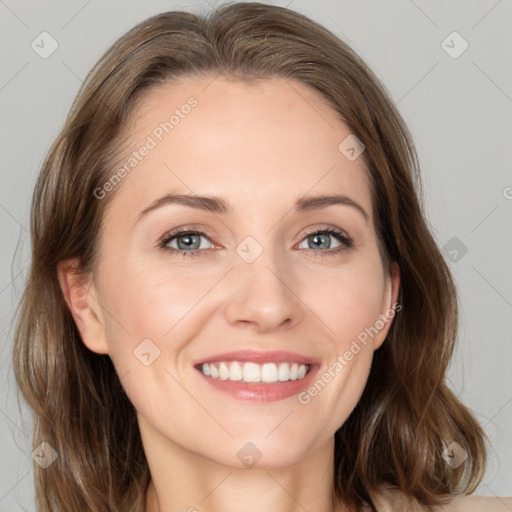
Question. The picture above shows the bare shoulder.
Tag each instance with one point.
(392, 500)
(477, 504)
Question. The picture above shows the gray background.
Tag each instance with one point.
(458, 109)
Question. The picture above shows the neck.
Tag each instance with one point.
(185, 481)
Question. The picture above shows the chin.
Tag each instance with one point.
(261, 452)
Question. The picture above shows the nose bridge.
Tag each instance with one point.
(262, 287)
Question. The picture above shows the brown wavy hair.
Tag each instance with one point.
(406, 416)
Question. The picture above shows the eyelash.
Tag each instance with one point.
(346, 241)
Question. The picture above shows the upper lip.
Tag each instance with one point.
(260, 357)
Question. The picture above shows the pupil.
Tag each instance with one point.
(187, 241)
(318, 238)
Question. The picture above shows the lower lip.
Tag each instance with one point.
(260, 392)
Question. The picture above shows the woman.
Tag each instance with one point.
(234, 299)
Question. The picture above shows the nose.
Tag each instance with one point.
(263, 295)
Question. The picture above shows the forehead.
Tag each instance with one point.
(271, 140)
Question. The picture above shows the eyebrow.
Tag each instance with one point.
(218, 205)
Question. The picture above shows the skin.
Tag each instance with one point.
(260, 147)
(392, 501)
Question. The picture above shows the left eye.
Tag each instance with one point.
(321, 240)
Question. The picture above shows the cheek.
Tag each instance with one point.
(347, 301)
(151, 301)
(153, 314)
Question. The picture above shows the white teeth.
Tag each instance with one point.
(223, 371)
(269, 373)
(252, 372)
(284, 372)
(235, 371)
(214, 372)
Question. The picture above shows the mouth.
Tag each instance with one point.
(258, 376)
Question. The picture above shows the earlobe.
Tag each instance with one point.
(81, 297)
(394, 283)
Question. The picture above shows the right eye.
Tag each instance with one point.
(186, 242)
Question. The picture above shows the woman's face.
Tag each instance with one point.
(252, 276)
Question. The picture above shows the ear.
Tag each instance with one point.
(388, 309)
(81, 297)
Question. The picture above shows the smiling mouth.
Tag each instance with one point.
(249, 372)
